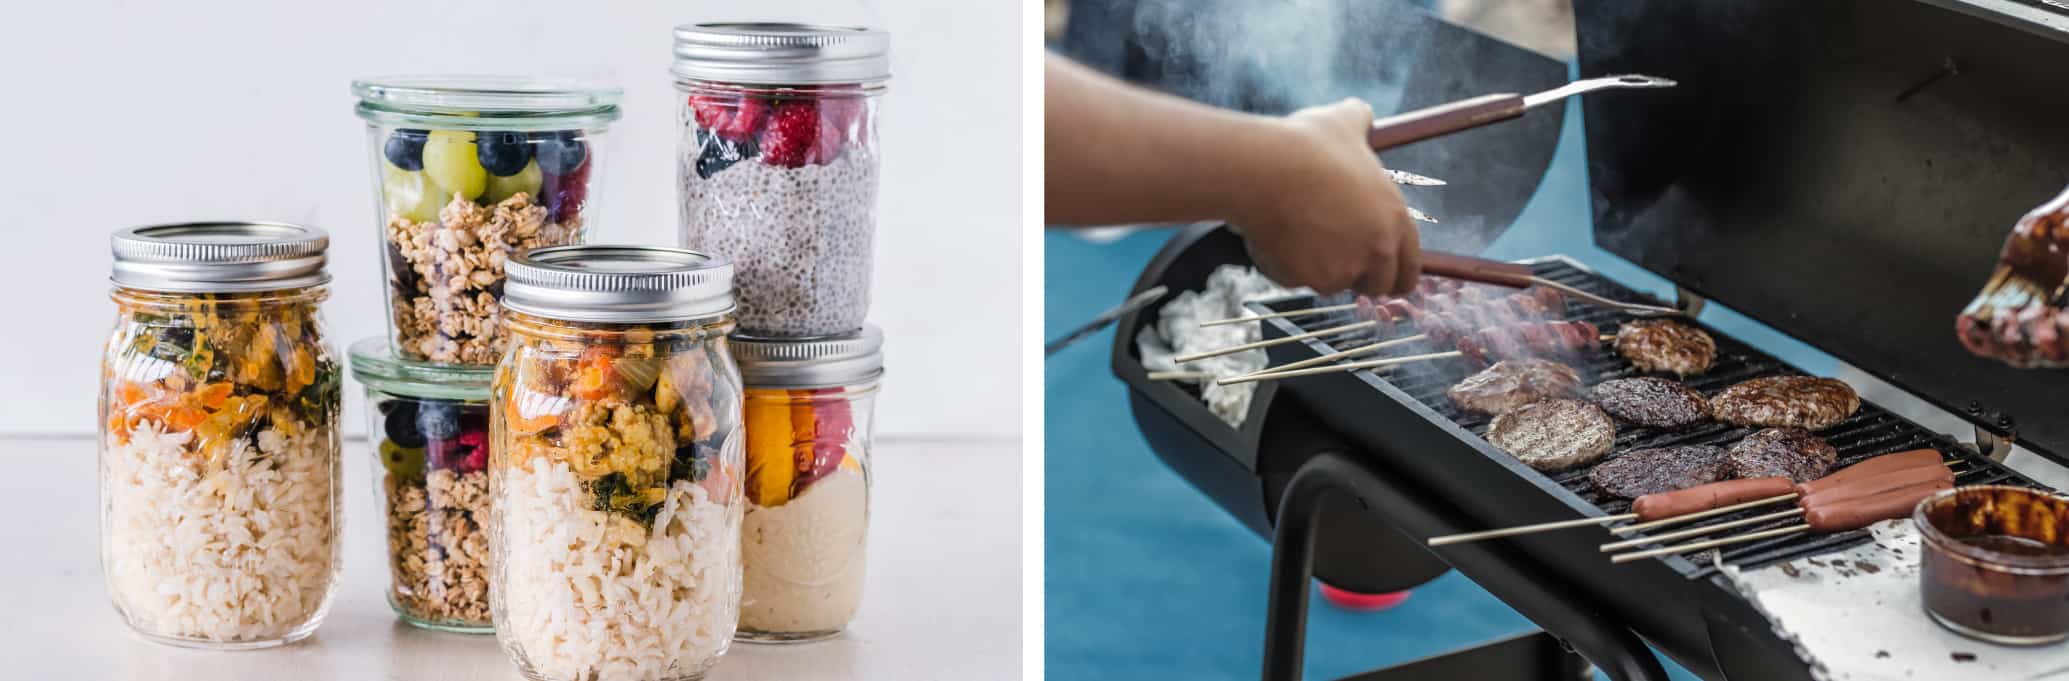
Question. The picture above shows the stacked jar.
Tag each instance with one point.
(469, 173)
(777, 160)
(429, 427)
(615, 465)
(809, 408)
(778, 164)
(219, 435)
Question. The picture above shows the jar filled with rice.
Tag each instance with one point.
(615, 465)
(809, 406)
(219, 435)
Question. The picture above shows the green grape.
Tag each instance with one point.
(410, 194)
(526, 181)
(450, 163)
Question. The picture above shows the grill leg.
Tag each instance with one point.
(1622, 656)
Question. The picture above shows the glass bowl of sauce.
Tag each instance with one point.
(1996, 564)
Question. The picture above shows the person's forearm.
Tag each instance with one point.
(1121, 154)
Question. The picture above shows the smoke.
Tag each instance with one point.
(1264, 56)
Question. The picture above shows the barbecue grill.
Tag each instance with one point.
(1350, 473)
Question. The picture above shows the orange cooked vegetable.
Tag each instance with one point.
(595, 379)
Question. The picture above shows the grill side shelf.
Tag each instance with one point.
(1871, 431)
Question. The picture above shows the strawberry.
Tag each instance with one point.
(747, 116)
(711, 113)
(792, 133)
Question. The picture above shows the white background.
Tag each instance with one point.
(121, 114)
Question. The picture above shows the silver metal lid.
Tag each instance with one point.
(628, 284)
(782, 53)
(814, 363)
(219, 257)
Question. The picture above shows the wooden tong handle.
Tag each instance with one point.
(1443, 119)
(1482, 270)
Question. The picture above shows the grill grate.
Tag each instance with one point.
(1870, 432)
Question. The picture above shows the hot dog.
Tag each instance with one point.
(1872, 467)
(1873, 485)
(1859, 512)
(1705, 497)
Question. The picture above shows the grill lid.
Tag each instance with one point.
(1845, 172)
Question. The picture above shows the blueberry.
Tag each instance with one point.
(401, 424)
(405, 148)
(503, 153)
(438, 420)
(562, 152)
(720, 154)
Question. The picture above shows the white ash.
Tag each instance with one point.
(1178, 332)
(800, 239)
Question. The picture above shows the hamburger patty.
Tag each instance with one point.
(1513, 383)
(1553, 434)
(1655, 402)
(1666, 345)
(1793, 453)
(1786, 402)
(1639, 472)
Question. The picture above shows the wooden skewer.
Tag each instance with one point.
(1365, 349)
(1419, 216)
(1709, 544)
(1353, 366)
(1413, 179)
(1347, 328)
(1179, 375)
(1325, 309)
(1527, 529)
(1699, 515)
(1700, 531)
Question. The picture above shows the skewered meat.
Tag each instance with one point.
(1705, 497)
(1655, 402)
(1553, 434)
(1786, 401)
(1916, 458)
(1859, 512)
(1666, 345)
(1537, 339)
(1639, 472)
(1514, 383)
(1792, 453)
(2019, 317)
(1447, 318)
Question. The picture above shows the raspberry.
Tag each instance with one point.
(565, 193)
(792, 133)
(711, 114)
(746, 118)
(835, 117)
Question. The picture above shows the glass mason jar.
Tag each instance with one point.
(219, 435)
(809, 410)
(777, 161)
(469, 171)
(614, 476)
(428, 425)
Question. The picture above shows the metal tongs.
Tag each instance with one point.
(1444, 119)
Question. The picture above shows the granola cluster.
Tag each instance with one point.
(438, 546)
(445, 278)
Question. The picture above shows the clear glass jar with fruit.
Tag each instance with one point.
(469, 171)
(777, 161)
(429, 426)
(219, 435)
(809, 408)
(615, 465)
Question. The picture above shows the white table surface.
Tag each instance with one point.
(942, 600)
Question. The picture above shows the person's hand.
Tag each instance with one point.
(1324, 214)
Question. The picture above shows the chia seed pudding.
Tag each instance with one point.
(800, 240)
(777, 164)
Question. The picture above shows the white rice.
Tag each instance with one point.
(575, 600)
(238, 553)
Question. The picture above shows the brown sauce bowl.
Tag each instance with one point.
(1996, 563)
